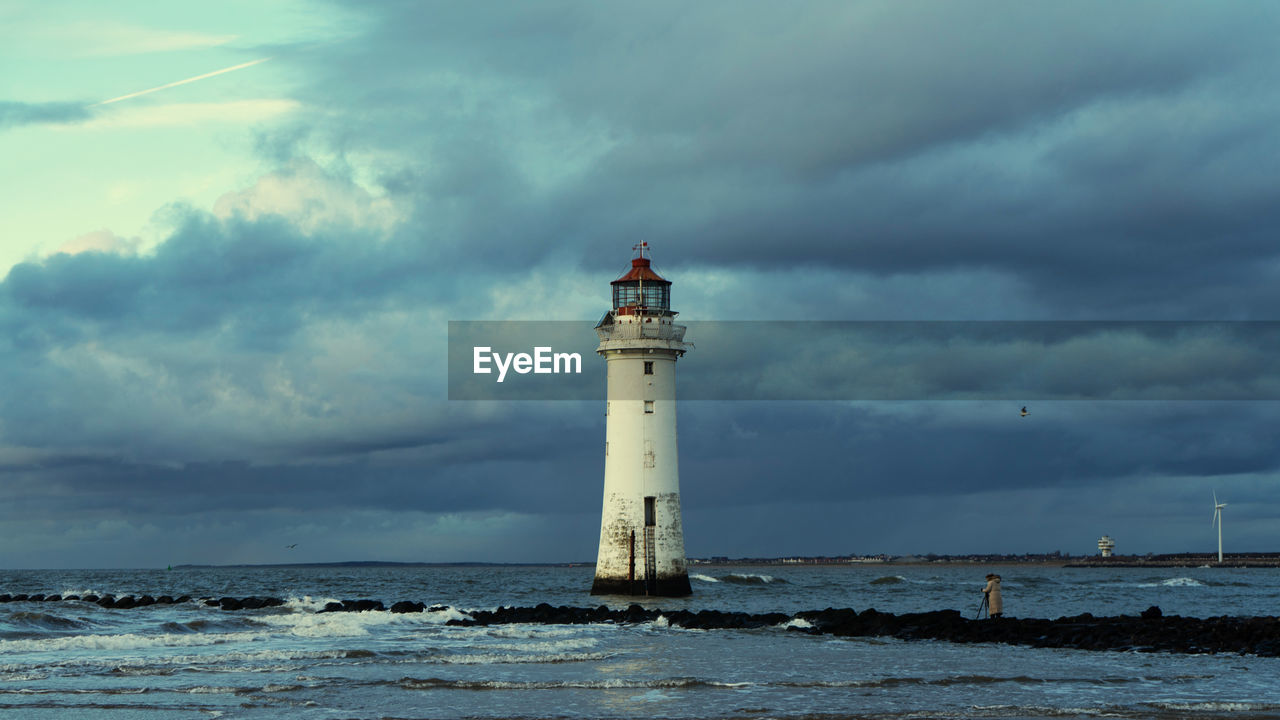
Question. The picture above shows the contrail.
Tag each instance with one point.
(241, 66)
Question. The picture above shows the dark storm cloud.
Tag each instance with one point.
(17, 114)
(798, 161)
(1101, 153)
(933, 450)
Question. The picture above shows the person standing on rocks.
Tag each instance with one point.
(995, 605)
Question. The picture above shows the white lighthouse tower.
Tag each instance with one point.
(641, 538)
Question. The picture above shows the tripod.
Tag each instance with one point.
(983, 606)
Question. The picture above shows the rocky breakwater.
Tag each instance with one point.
(1149, 632)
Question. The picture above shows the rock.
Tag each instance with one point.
(362, 605)
(406, 606)
(1152, 613)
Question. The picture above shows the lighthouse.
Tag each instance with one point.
(641, 538)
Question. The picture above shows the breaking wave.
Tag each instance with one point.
(889, 580)
(1174, 582)
(746, 579)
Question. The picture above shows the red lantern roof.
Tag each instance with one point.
(640, 270)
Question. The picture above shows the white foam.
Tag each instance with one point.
(750, 578)
(79, 592)
(340, 624)
(527, 631)
(661, 621)
(22, 677)
(306, 603)
(208, 690)
(1174, 582)
(127, 641)
(351, 624)
(555, 646)
(796, 623)
(513, 658)
(704, 578)
(1214, 706)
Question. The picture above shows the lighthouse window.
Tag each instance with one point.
(648, 407)
(657, 295)
(649, 513)
(648, 367)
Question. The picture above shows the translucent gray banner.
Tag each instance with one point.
(1009, 361)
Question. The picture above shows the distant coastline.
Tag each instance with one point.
(1232, 560)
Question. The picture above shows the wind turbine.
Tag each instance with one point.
(1217, 518)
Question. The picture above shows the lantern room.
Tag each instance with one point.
(641, 289)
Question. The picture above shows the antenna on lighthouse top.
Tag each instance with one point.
(640, 249)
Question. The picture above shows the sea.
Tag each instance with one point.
(77, 660)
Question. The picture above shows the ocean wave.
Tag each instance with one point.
(46, 621)
(352, 624)
(889, 580)
(126, 641)
(274, 688)
(1215, 706)
(517, 658)
(703, 578)
(554, 646)
(1030, 711)
(306, 603)
(1173, 582)
(749, 579)
(434, 683)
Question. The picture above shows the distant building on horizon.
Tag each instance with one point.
(641, 536)
(1106, 545)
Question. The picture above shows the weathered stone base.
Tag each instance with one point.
(675, 586)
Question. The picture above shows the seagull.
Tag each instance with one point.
(290, 547)
(1024, 411)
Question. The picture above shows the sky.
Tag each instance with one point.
(232, 238)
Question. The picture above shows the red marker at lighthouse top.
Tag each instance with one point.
(641, 289)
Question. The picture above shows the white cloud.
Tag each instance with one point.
(98, 241)
(113, 39)
(311, 199)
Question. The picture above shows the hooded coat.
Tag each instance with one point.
(995, 605)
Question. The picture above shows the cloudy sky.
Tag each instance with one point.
(233, 236)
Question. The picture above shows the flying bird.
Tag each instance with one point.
(290, 547)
